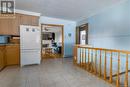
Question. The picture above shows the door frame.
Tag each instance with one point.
(62, 27)
(81, 28)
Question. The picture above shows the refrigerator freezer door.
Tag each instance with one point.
(30, 57)
(30, 37)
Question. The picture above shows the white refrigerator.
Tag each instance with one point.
(30, 45)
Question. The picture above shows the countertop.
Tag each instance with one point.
(8, 44)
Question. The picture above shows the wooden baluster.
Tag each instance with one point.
(76, 55)
(95, 69)
(100, 64)
(91, 60)
(85, 59)
(110, 79)
(105, 64)
(80, 57)
(126, 72)
(91, 64)
(118, 72)
(74, 60)
(88, 58)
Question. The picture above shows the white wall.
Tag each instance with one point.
(69, 27)
(111, 28)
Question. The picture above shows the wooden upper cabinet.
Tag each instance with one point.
(29, 20)
(35, 20)
(4, 28)
(25, 19)
(12, 26)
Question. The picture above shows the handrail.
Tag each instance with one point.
(101, 62)
(89, 46)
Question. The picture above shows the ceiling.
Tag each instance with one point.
(65, 9)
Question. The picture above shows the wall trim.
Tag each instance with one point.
(27, 12)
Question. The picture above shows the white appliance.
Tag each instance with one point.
(30, 45)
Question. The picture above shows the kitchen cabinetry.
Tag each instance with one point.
(25, 19)
(14, 25)
(9, 55)
(4, 28)
(2, 57)
(34, 20)
(29, 20)
(11, 26)
(13, 54)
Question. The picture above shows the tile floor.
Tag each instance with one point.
(51, 73)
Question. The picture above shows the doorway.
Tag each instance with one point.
(52, 41)
(82, 34)
(82, 37)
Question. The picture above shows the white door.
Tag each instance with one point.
(30, 37)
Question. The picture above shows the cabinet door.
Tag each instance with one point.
(25, 19)
(11, 26)
(14, 25)
(2, 58)
(12, 55)
(35, 20)
(4, 24)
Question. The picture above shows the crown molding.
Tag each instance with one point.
(27, 12)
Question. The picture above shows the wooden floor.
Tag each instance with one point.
(51, 73)
(51, 56)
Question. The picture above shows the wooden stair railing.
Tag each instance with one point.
(121, 73)
(100, 62)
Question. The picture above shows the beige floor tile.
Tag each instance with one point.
(51, 73)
